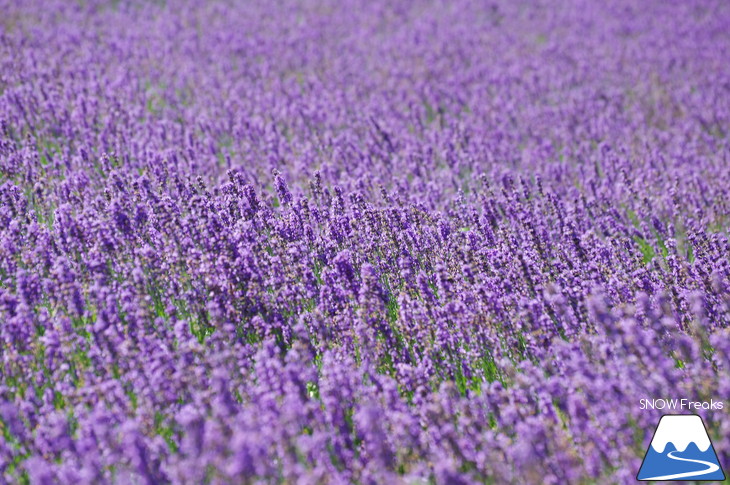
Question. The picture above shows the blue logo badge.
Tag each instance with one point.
(681, 450)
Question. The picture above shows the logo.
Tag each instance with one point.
(680, 450)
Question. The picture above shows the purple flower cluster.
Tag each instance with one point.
(345, 241)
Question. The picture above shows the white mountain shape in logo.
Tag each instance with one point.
(680, 450)
(680, 430)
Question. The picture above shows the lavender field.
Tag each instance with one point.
(351, 241)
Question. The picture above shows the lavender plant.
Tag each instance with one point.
(359, 242)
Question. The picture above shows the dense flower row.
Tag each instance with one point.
(359, 242)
